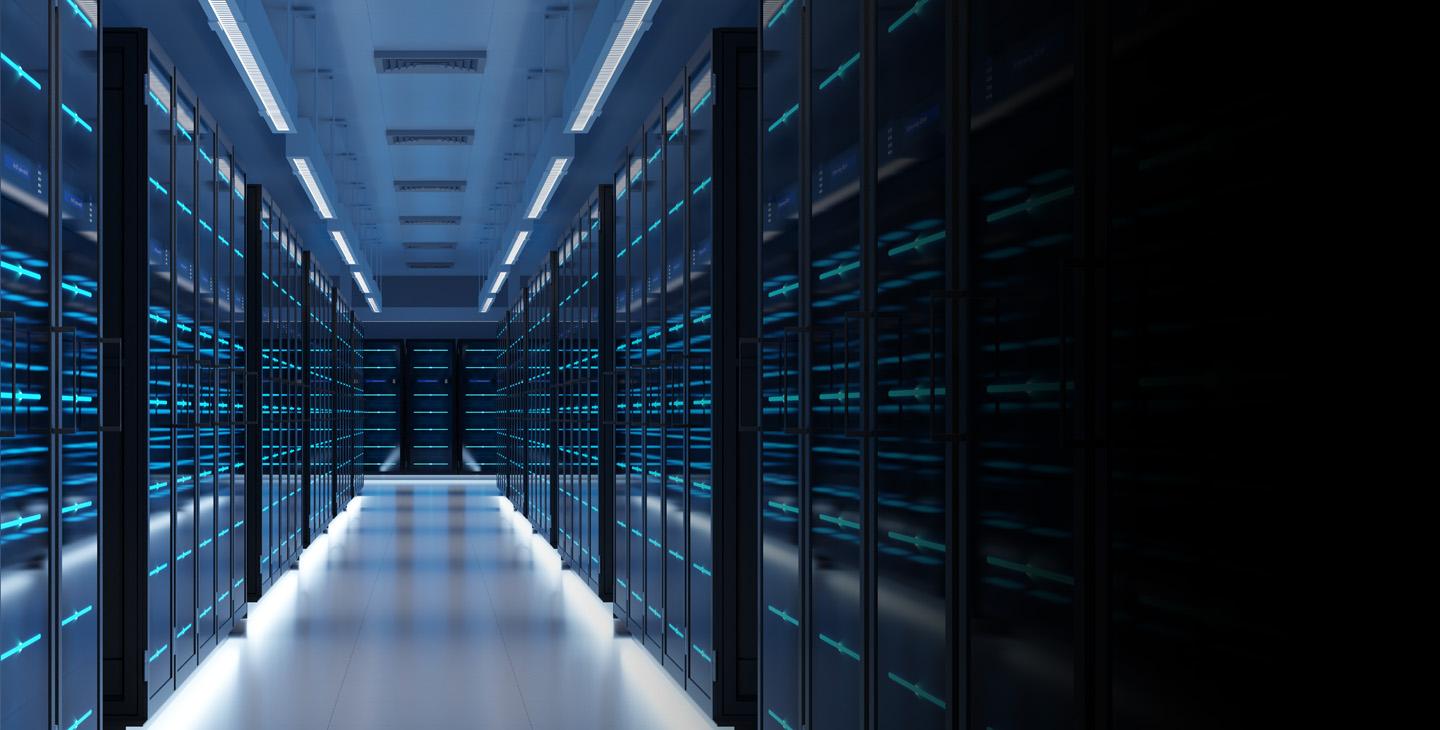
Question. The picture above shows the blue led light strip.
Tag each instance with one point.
(912, 12)
(71, 113)
(19, 71)
(784, 117)
(19, 647)
(81, 720)
(76, 616)
(915, 688)
(839, 72)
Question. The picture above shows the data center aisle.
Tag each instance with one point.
(429, 605)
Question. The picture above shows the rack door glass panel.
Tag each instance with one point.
(780, 698)
(26, 483)
(430, 377)
(79, 498)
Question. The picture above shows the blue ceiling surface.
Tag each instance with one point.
(521, 38)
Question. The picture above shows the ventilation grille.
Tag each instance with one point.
(429, 186)
(429, 62)
(447, 137)
(429, 220)
(430, 264)
(430, 245)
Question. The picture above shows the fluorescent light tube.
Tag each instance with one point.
(360, 279)
(499, 282)
(547, 188)
(520, 239)
(240, 46)
(373, 306)
(619, 47)
(486, 307)
(312, 188)
(343, 246)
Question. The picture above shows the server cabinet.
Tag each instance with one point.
(512, 413)
(685, 336)
(431, 395)
(276, 380)
(318, 413)
(480, 404)
(540, 358)
(584, 394)
(50, 355)
(349, 471)
(855, 452)
(172, 558)
(383, 406)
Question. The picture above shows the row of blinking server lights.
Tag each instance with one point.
(755, 435)
(204, 429)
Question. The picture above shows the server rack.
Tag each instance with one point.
(538, 376)
(173, 557)
(685, 335)
(50, 353)
(384, 406)
(855, 446)
(276, 432)
(481, 403)
(584, 394)
(350, 472)
(512, 413)
(318, 412)
(431, 395)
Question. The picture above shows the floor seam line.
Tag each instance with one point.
(359, 632)
(499, 630)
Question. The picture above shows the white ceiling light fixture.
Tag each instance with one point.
(486, 307)
(622, 42)
(520, 239)
(303, 171)
(340, 243)
(499, 282)
(373, 306)
(557, 169)
(360, 280)
(238, 42)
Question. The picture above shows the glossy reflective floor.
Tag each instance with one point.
(429, 605)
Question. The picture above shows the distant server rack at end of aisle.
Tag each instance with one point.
(383, 406)
(431, 394)
(50, 352)
(175, 294)
(584, 394)
(480, 403)
(274, 391)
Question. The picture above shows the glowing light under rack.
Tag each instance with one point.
(245, 56)
(620, 47)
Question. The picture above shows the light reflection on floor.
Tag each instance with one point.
(430, 604)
